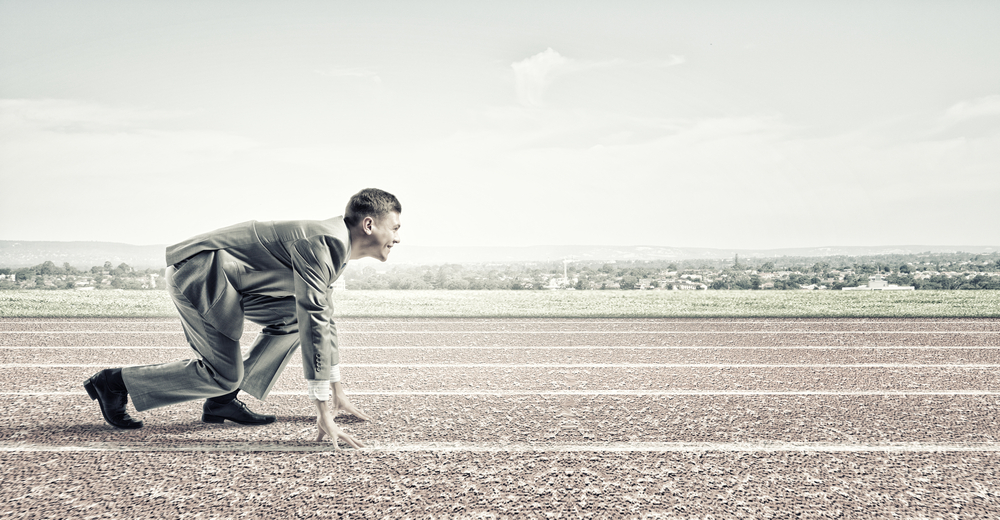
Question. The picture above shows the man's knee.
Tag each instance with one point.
(227, 382)
(273, 313)
(228, 386)
(281, 329)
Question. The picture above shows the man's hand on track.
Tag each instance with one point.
(326, 426)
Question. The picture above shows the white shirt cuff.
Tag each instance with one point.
(319, 389)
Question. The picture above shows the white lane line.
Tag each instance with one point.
(663, 392)
(791, 320)
(354, 348)
(573, 365)
(107, 347)
(607, 392)
(551, 332)
(611, 447)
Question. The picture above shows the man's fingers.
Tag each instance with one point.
(357, 413)
(352, 441)
(348, 407)
(336, 434)
(361, 415)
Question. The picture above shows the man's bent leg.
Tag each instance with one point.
(274, 346)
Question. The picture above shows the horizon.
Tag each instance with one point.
(720, 124)
(19, 254)
(446, 246)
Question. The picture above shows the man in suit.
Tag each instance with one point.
(276, 274)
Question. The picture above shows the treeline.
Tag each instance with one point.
(922, 271)
(48, 275)
(925, 271)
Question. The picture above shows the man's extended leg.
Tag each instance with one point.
(219, 370)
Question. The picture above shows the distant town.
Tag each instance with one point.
(926, 271)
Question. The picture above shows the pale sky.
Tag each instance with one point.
(687, 124)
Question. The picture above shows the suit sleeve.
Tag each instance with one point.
(313, 265)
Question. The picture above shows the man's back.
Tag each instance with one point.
(266, 245)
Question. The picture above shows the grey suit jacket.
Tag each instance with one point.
(300, 258)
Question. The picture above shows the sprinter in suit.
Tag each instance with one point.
(276, 274)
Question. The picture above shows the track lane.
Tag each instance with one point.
(540, 339)
(502, 484)
(542, 421)
(540, 379)
(527, 356)
(512, 325)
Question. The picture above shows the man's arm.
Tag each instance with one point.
(314, 262)
(313, 270)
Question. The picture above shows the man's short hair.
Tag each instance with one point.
(370, 202)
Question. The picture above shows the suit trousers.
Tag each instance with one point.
(220, 367)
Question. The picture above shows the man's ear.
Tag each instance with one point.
(367, 225)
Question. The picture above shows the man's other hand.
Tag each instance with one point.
(342, 404)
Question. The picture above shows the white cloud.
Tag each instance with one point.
(78, 147)
(76, 116)
(534, 74)
(703, 181)
(968, 109)
(73, 132)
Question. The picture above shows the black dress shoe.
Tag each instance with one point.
(235, 411)
(112, 401)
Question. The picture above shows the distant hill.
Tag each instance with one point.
(84, 255)
(460, 255)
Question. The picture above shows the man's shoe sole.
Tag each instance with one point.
(88, 385)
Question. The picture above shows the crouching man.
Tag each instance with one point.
(276, 274)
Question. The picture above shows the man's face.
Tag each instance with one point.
(385, 234)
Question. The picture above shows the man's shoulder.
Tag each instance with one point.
(331, 234)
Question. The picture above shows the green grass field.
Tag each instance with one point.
(610, 304)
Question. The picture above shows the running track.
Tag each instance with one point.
(514, 418)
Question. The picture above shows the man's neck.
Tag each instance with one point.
(358, 239)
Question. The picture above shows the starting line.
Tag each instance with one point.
(574, 365)
(503, 393)
(462, 447)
